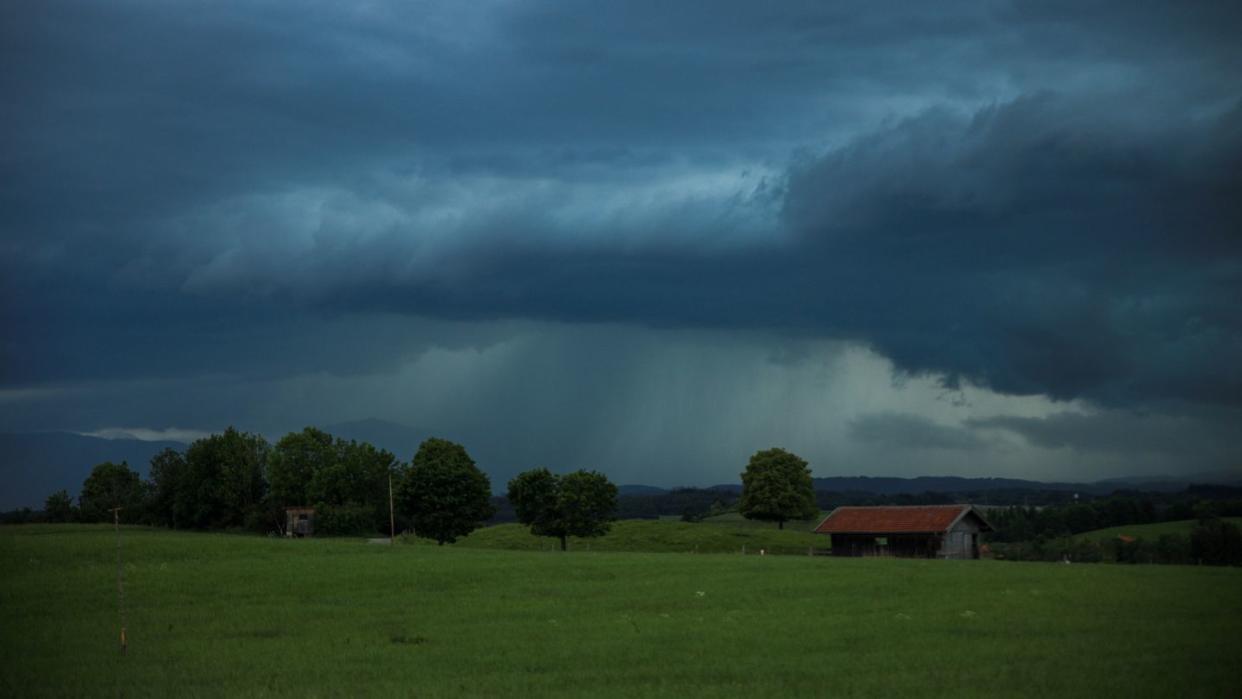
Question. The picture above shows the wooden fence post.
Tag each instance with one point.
(120, 578)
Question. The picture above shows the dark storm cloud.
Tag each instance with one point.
(1034, 247)
(910, 432)
(1200, 439)
(1044, 245)
(1037, 197)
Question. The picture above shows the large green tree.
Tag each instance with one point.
(59, 507)
(777, 487)
(294, 461)
(582, 503)
(110, 486)
(224, 482)
(164, 480)
(346, 482)
(443, 493)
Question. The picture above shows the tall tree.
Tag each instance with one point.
(293, 463)
(224, 481)
(165, 478)
(346, 482)
(444, 494)
(777, 487)
(110, 486)
(59, 507)
(582, 503)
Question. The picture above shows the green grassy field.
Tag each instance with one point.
(1149, 532)
(219, 615)
(661, 536)
(737, 520)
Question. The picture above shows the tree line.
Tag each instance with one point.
(237, 481)
(1047, 533)
(1018, 523)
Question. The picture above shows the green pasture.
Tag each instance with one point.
(737, 520)
(220, 615)
(1148, 532)
(661, 536)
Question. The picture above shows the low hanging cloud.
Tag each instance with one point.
(149, 434)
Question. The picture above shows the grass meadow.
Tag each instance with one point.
(1150, 532)
(662, 536)
(221, 615)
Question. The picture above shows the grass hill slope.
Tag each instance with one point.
(1149, 532)
(657, 536)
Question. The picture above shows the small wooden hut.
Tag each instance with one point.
(924, 531)
(299, 521)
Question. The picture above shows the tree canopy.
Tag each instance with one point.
(166, 476)
(582, 503)
(777, 487)
(346, 482)
(224, 481)
(443, 493)
(59, 507)
(110, 486)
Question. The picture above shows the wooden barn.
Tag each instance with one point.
(924, 531)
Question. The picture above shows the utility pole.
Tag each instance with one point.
(120, 576)
(392, 519)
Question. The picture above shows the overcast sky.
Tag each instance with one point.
(651, 238)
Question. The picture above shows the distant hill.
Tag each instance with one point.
(945, 484)
(1150, 532)
(640, 490)
(34, 465)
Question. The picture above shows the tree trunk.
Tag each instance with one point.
(780, 524)
(564, 543)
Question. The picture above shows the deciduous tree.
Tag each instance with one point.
(165, 478)
(110, 486)
(59, 507)
(582, 503)
(224, 481)
(443, 493)
(777, 487)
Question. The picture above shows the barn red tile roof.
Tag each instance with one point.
(875, 520)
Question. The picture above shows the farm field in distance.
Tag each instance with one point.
(213, 614)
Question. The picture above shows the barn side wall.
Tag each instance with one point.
(961, 541)
(898, 545)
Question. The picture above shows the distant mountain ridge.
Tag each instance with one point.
(37, 464)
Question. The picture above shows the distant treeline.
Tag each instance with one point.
(1211, 541)
(238, 481)
(1047, 533)
(1120, 509)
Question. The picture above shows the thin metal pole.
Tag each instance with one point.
(392, 519)
(120, 577)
